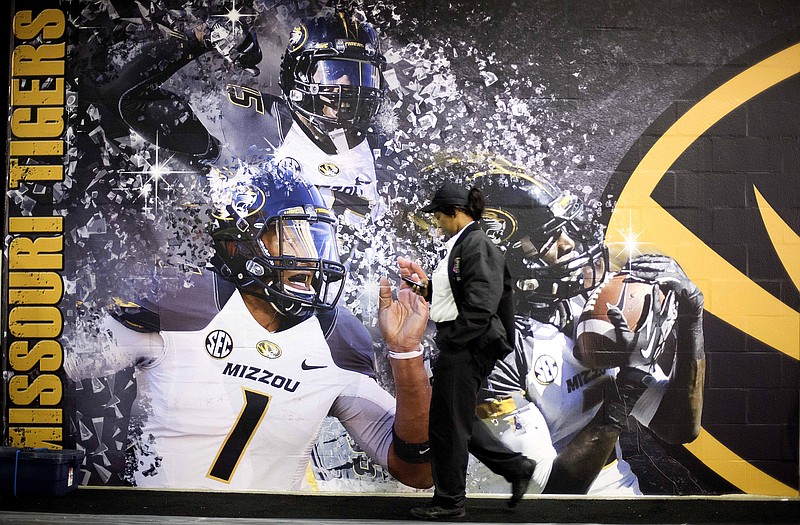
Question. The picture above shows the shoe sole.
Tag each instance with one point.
(438, 518)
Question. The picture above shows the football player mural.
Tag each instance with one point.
(204, 198)
(545, 399)
(331, 89)
(279, 356)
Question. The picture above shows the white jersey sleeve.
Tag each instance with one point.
(367, 412)
(110, 347)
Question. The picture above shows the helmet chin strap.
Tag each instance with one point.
(330, 138)
(557, 313)
(281, 305)
(293, 310)
(285, 306)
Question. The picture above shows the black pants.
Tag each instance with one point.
(455, 429)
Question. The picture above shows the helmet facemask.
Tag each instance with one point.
(567, 264)
(337, 92)
(552, 253)
(277, 241)
(292, 259)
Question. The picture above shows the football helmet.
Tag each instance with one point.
(552, 252)
(275, 238)
(332, 71)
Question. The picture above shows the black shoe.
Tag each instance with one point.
(520, 485)
(435, 512)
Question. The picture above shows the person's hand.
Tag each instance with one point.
(622, 393)
(670, 277)
(402, 322)
(644, 345)
(237, 44)
(411, 270)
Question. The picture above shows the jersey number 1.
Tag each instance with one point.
(228, 457)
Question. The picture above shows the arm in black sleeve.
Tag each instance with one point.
(135, 100)
(679, 414)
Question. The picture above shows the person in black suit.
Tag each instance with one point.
(471, 298)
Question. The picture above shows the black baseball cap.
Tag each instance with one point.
(448, 194)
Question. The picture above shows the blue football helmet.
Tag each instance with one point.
(275, 238)
(332, 71)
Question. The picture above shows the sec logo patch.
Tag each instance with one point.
(545, 370)
(219, 344)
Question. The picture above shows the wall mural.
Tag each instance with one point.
(203, 196)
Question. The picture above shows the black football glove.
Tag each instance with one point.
(671, 278)
(644, 345)
(622, 393)
(237, 44)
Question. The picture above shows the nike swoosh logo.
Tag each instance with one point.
(306, 366)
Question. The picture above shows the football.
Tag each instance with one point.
(596, 342)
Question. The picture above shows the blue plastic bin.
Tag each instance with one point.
(39, 471)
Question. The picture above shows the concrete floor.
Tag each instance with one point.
(88, 506)
(28, 518)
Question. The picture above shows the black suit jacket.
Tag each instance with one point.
(483, 291)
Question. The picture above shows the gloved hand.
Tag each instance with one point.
(644, 345)
(237, 44)
(622, 393)
(671, 278)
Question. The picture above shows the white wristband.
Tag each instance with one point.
(405, 355)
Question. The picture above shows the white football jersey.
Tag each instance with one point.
(349, 172)
(567, 393)
(234, 406)
(255, 125)
(563, 398)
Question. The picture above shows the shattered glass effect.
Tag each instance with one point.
(134, 209)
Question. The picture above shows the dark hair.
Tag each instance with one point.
(474, 207)
(476, 204)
